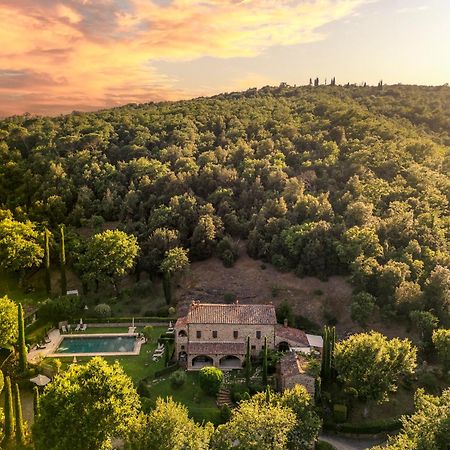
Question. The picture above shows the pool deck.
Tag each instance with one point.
(55, 337)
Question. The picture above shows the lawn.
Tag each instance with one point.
(135, 366)
(201, 406)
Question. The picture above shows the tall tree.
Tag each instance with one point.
(373, 364)
(109, 256)
(20, 427)
(36, 401)
(85, 406)
(168, 427)
(21, 340)
(62, 261)
(48, 282)
(264, 365)
(441, 341)
(248, 362)
(8, 322)
(255, 425)
(327, 367)
(175, 261)
(19, 246)
(9, 412)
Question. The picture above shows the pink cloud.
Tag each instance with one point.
(86, 54)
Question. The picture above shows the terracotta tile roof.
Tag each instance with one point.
(231, 313)
(292, 364)
(292, 334)
(217, 348)
(181, 322)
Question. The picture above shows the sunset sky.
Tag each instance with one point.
(60, 56)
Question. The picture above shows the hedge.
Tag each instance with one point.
(322, 445)
(129, 320)
(339, 412)
(373, 427)
(166, 370)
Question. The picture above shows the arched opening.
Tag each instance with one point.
(283, 346)
(230, 362)
(182, 356)
(202, 361)
(182, 333)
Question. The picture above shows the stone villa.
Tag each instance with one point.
(216, 334)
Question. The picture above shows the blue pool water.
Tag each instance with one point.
(107, 344)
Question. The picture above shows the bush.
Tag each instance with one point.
(102, 310)
(363, 307)
(228, 251)
(225, 413)
(429, 382)
(210, 379)
(229, 297)
(148, 332)
(177, 379)
(142, 288)
(67, 307)
(339, 412)
(239, 392)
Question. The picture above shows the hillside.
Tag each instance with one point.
(318, 181)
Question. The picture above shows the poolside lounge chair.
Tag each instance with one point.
(77, 328)
(64, 329)
(83, 327)
(40, 347)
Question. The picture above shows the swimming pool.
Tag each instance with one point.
(102, 344)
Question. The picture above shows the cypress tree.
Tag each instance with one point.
(48, 284)
(9, 412)
(20, 429)
(167, 287)
(36, 401)
(62, 261)
(264, 367)
(21, 340)
(248, 362)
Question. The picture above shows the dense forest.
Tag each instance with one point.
(317, 180)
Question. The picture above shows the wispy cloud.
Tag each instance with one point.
(84, 54)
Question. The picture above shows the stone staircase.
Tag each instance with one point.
(224, 398)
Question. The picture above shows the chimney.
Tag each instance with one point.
(285, 323)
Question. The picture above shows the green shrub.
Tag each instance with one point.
(102, 310)
(229, 297)
(238, 392)
(142, 288)
(429, 382)
(225, 413)
(177, 379)
(148, 332)
(339, 412)
(210, 379)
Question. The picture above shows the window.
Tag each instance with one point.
(214, 334)
(253, 347)
(182, 347)
(258, 335)
(235, 334)
(199, 334)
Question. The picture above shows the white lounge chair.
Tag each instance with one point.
(77, 328)
(64, 329)
(83, 327)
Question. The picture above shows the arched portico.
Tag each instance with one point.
(201, 361)
(228, 362)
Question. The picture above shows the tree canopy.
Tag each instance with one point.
(8, 321)
(373, 364)
(318, 180)
(85, 406)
